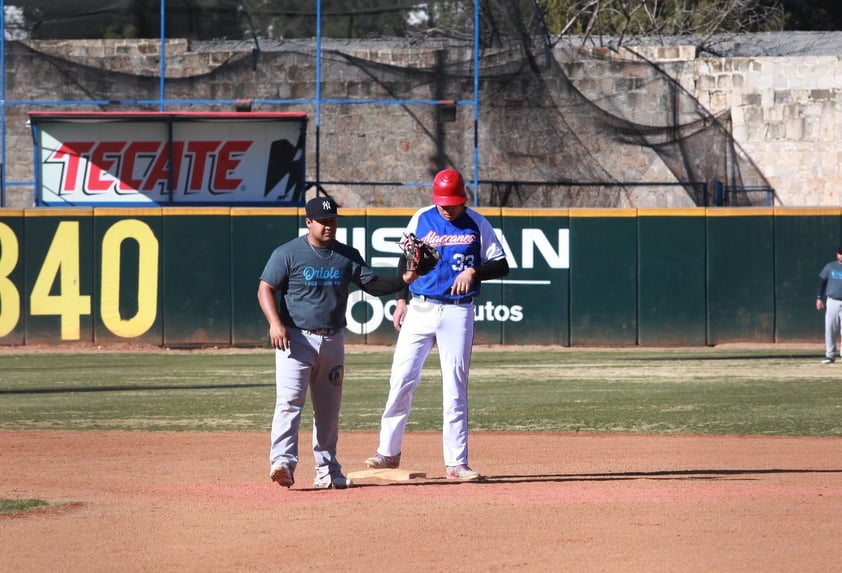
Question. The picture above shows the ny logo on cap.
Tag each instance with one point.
(326, 205)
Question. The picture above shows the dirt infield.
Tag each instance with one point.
(162, 501)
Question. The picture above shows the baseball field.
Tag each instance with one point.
(608, 459)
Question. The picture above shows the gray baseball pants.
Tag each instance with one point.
(315, 362)
(832, 326)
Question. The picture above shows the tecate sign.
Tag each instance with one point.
(221, 161)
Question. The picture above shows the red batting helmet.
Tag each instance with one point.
(449, 188)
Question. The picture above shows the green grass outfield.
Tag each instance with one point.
(772, 391)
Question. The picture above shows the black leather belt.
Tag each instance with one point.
(321, 331)
(465, 300)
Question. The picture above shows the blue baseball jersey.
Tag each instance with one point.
(831, 276)
(468, 241)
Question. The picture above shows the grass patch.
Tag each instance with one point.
(700, 391)
(14, 506)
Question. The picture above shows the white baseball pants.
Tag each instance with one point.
(451, 327)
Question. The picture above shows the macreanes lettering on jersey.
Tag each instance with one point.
(436, 240)
(131, 167)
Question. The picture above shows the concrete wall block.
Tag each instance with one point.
(811, 126)
(783, 97)
(774, 132)
(822, 95)
(751, 99)
(754, 115)
(719, 101)
(811, 110)
(794, 129)
(800, 95)
(828, 129)
(768, 97)
(705, 83)
(757, 81)
(792, 111)
(781, 82)
(829, 163)
(741, 66)
(716, 65)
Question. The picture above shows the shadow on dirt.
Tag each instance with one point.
(701, 474)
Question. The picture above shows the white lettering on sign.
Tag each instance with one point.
(385, 240)
(556, 257)
(379, 311)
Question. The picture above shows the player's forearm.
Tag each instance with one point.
(387, 285)
(268, 304)
(492, 270)
(821, 289)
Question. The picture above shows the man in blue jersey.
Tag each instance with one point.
(830, 285)
(303, 293)
(441, 311)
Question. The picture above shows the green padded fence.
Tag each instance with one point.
(188, 276)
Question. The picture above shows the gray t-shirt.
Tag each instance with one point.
(313, 282)
(832, 274)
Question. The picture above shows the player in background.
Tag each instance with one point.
(303, 293)
(441, 311)
(830, 285)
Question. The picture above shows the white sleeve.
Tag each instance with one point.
(492, 250)
(412, 226)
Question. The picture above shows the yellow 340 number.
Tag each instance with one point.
(147, 276)
(62, 265)
(9, 296)
(62, 261)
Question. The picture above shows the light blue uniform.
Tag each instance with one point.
(436, 315)
(830, 284)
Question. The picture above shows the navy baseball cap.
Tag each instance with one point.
(321, 208)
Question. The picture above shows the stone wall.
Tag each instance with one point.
(784, 113)
(787, 115)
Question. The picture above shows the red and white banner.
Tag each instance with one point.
(149, 158)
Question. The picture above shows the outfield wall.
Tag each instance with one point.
(176, 276)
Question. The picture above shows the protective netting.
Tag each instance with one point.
(534, 121)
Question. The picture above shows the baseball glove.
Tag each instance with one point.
(420, 256)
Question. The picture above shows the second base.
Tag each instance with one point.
(386, 475)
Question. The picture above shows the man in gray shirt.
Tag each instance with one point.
(830, 285)
(303, 293)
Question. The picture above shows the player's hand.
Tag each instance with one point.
(279, 337)
(399, 314)
(464, 282)
(819, 304)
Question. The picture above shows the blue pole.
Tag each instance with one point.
(476, 102)
(163, 62)
(3, 104)
(318, 92)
